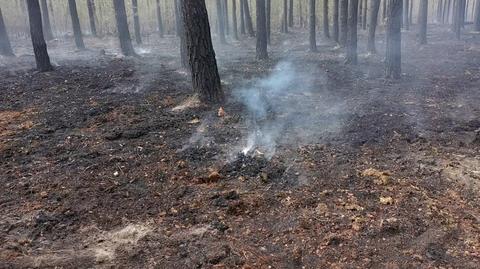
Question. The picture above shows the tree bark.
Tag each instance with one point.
(364, 22)
(225, 17)
(290, 14)
(406, 20)
(285, 17)
(335, 20)
(248, 19)
(221, 20)
(352, 57)
(91, 17)
(77, 30)
(477, 16)
(262, 52)
(326, 27)
(269, 20)
(5, 46)
(393, 59)
(136, 22)
(242, 17)
(384, 10)
(159, 19)
(36, 32)
(203, 65)
(360, 12)
(312, 18)
(343, 22)
(422, 20)
(122, 28)
(439, 10)
(374, 7)
(181, 34)
(47, 27)
(234, 19)
(178, 19)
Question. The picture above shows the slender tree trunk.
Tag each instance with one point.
(221, 25)
(290, 14)
(312, 18)
(335, 21)
(262, 52)
(36, 32)
(248, 19)
(372, 25)
(159, 19)
(343, 22)
(384, 10)
(91, 17)
(122, 28)
(360, 12)
(136, 22)
(225, 17)
(393, 59)
(439, 10)
(406, 21)
(242, 17)
(269, 20)
(422, 20)
(410, 13)
(182, 37)
(364, 22)
(47, 27)
(177, 16)
(477, 16)
(352, 57)
(285, 17)
(5, 46)
(447, 9)
(326, 27)
(77, 30)
(203, 65)
(234, 19)
(457, 18)
(300, 10)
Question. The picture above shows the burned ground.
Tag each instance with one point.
(109, 162)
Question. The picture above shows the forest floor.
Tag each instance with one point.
(109, 162)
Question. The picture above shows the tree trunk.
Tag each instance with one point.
(326, 27)
(234, 19)
(5, 46)
(248, 19)
(410, 14)
(352, 57)
(181, 35)
(262, 52)
(285, 17)
(393, 59)
(91, 17)
(477, 16)
(47, 27)
(242, 17)
(221, 20)
(122, 28)
(77, 30)
(225, 17)
(406, 21)
(36, 32)
(177, 17)
(312, 18)
(457, 18)
(269, 20)
(439, 11)
(343, 22)
(159, 19)
(384, 10)
(364, 22)
(203, 65)
(374, 7)
(335, 20)
(290, 14)
(360, 12)
(136, 22)
(422, 20)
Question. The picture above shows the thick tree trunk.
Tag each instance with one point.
(36, 32)
(290, 14)
(285, 17)
(203, 65)
(269, 20)
(262, 52)
(221, 21)
(312, 18)
(248, 19)
(364, 22)
(477, 16)
(47, 27)
(77, 30)
(159, 19)
(136, 22)
(393, 59)
(5, 46)
(234, 19)
(326, 27)
(422, 20)
(335, 20)
(352, 57)
(374, 7)
(343, 22)
(91, 17)
(122, 28)
(242, 17)
(406, 20)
